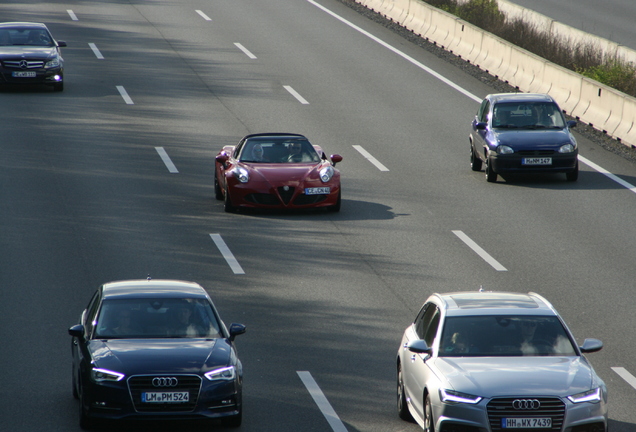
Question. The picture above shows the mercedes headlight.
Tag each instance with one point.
(451, 396)
(504, 149)
(52, 63)
(241, 175)
(224, 373)
(566, 148)
(326, 173)
(593, 396)
(101, 375)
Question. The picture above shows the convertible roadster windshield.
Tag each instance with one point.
(278, 150)
(504, 336)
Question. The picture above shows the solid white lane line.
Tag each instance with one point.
(605, 172)
(72, 14)
(245, 50)
(295, 94)
(479, 251)
(96, 51)
(166, 160)
(453, 85)
(122, 91)
(370, 158)
(622, 372)
(227, 254)
(204, 16)
(322, 402)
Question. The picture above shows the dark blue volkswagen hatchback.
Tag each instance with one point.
(522, 132)
(155, 349)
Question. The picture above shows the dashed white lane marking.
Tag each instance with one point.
(166, 160)
(204, 16)
(295, 94)
(370, 158)
(96, 51)
(605, 172)
(245, 50)
(477, 249)
(227, 254)
(72, 14)
(622, 372)
(122, 91)
(322, 402)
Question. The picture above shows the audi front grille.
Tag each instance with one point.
(501, 408)
(139, 384)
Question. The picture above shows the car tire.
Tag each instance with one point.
(228, 206)
(475, 162)
(573, 175)
(233, 421)
(336, 207)
(86, 422)
(74, 384)
(58, 87)
(491, 175)
(402, 406)
(218, 193)
(429, 422)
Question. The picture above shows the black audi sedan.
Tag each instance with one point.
(155, 349)
(522, 133)
(30, 55)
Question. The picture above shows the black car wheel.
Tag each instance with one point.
(403, 409)
(475, 162)
(218, 193)
(429, 422)
(228, 207)
(86, 422)
(573, 175)
(74, 383)
(491, 176)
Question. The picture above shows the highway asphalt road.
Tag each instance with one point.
(611, 19)
(86, 197)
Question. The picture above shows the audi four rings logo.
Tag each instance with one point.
(526, 404)
(165, 382)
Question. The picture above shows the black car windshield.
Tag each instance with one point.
(156, 318)
(496, 335)
(278, 150)
(527, 115)
(25, 36)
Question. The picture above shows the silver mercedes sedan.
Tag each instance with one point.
(497, 362)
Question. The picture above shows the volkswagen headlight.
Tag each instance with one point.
(241, 175)
(224, 373)
(458, 397)
(566, 148)
(593, 395)
(326, 173)
(101, 375)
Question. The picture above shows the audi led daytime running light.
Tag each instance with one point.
(224, 373)
(458, 397)
(101, 375)
(593, 395)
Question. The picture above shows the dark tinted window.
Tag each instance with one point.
(533, 115)
(156, 318)
(427, 322)
(505, 336)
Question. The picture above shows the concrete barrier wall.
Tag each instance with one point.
(606, 109)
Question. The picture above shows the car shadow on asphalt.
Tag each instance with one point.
(588, 180)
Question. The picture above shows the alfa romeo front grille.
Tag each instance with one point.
(139, 384)
(502, 408)
(23, 64)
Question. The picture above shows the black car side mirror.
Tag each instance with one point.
(236, 329)
(572, 123)
(77, 331)
(481, 125)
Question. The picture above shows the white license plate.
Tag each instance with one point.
(537, 161)
(318, 191)
(165, 397)
(526, 423)
(23, 74)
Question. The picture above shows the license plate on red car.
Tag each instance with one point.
(537, 161)
(318, 191)
(23, 74)
(165, 397)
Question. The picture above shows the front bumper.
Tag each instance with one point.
(263, 195)
(514, 163)
(42, 76)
